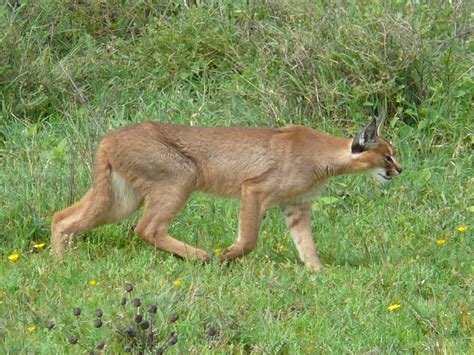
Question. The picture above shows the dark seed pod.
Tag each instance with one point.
(129, 287)
(100, 346)
(138, 318)
(211, 331)
(50, 325)
(123, 301)
(77, 311)
(128, 348)
(137, 302)
(153, 308)
(97, 323)
(131, 332)
(173, 318)
(159, 351)
(99, 313)
(145, 325)
(73, 339)
(172, 340)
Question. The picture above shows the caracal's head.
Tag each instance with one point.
(374, 154)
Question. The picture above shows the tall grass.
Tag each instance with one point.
(332, 60)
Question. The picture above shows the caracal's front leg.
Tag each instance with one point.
(251, 213)
(298, 220)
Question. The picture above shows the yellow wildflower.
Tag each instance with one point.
(31, 329)
(441, 242)
(92, 282)
(393, 307)
(39, 246)
(14, 257)
(462, 229)
(178, 283)
(280, 247)
(218, 251)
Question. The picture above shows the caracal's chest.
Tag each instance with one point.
(306, 197)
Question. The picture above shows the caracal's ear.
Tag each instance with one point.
(368, 136)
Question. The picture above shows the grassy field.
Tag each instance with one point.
(398, 273)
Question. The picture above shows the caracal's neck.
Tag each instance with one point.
(338, 158)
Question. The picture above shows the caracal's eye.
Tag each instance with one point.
(388, 159)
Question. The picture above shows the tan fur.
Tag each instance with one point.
(161, 165)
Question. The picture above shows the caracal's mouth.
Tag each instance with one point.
(381, 175)
(385, 177)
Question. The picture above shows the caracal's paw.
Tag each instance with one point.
(231, 253)
(202, 256)
(59, 245)
(314, 266)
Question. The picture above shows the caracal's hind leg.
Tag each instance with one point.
(162, 204)
(298, 220)
(111, 201)
(67, 223)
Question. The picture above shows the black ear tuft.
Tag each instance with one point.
(370, 131)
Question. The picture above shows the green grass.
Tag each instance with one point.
(70, 72)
